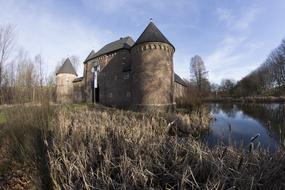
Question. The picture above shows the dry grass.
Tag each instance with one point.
(248, 99)
(111, 149)
(77, 147)
(22, 144)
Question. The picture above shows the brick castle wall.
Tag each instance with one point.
(153, 76)
(64, 88)
(114, 79)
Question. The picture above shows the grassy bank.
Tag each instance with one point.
(2, 118)
(78, 147)
(251, 99)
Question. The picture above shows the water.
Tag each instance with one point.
(236, 124)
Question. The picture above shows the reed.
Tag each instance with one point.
(247, 99)
(116, 149)
(84, 147)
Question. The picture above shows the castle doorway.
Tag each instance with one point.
(97, 94)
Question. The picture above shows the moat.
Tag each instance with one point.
(237, 124)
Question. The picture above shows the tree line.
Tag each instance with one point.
(24, 78)
(268, 78)
(200, 87)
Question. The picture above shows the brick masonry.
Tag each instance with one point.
(140, 77)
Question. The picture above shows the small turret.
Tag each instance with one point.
(152, 69)
(64, 86)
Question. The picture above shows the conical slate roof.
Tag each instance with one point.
(91, 54)
(152, 34)
(66, 68)
(179, 80)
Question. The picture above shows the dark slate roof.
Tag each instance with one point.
(122, 43)
(92, 53)
(67, 68)
(78, 79)
(152, 34)
(179, 80)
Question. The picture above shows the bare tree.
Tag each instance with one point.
(227, 86)
(22, 78)
(268, 78)
(198, 73)
(40, 64)
(26, 78)
(6, 44)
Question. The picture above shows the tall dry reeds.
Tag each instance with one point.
(111, 149)
(24, 132)
(78, 147)
(247, 99)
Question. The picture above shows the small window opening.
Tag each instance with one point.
(126, 76)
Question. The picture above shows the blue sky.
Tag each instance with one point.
(232, 36)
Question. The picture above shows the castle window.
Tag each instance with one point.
(116, 77)
(126, 76)
(123, 63)
(128, 94)
(110, 95)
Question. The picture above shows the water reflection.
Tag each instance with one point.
(236, 124)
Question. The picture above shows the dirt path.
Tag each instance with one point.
(13, 174)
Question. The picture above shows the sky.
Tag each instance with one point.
(233, 37)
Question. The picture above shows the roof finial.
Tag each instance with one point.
(150, 19)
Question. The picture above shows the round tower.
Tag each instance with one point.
(64, 86)
(152, 71)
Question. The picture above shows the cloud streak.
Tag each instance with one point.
(232, 56)
(229, 36)
(42, 30)
(240, 22)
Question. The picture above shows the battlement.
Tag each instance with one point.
(153, 46)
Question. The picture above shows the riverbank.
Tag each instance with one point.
(250, 99)
(81, 147)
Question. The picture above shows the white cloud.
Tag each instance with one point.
(141, 7)
(244, 21)
(225, 15)
(232, 56)
(43, 28)
(237, 22)
(40, 29)
(231, 59)
(181, 64)
(108, 6)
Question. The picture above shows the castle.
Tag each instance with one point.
(125, 73)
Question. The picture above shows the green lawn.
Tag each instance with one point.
(2, 117)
